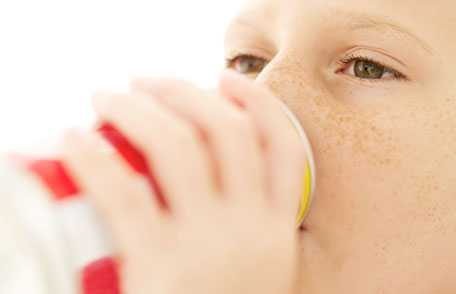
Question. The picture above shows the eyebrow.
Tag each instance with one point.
(244, 20)
(354, 21)
(367, 22)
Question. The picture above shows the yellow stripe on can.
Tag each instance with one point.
(310, 173)
(306, 197)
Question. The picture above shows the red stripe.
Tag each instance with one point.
(52, 173)
(101, 277)
(58, 181)
(56, 178)
(133, 156)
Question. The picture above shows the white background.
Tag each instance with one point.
(55, 54)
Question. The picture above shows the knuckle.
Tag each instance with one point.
(168, 86)
(130, 194)
(237, 122)
(129, 206)
(109, 101)
(184, 134)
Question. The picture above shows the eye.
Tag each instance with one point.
(246, 64)
(367, 69)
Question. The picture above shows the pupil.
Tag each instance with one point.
(368, 70)
(249, 65)
(246, 65)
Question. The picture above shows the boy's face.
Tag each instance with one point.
(374, 85)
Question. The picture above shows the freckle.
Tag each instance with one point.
(345, 135)
(386, 161)
(373, 128)
(318, 101)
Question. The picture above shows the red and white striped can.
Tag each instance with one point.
(51, 239)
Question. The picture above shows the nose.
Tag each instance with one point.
(275, 79)
(299, 87)
(293, 84)
(290, 78)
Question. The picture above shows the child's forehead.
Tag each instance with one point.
(421, 21)
(405, 8)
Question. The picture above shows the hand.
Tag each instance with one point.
(232, 177)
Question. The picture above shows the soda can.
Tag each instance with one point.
(52, 240)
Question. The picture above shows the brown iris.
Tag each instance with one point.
(248, 64)
(368, 70)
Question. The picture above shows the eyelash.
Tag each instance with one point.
(230, 61)
(353, 58)
(398, 76)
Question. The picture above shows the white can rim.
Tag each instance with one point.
(307, 147)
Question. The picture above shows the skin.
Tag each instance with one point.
(184, 248)
(384, 218)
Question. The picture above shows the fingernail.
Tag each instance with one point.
(138, 82)
(72, 134)
(143, 84)
(72, 139)
(100, 100)
(102, 145)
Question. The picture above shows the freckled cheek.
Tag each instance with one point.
(358, 157)
(345, 142)
(361, 138)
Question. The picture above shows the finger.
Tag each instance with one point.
(121, 196)
(285, 151)
(177, 157)
(229, 131)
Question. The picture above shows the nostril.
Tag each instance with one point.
(302, 228)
